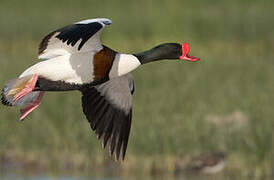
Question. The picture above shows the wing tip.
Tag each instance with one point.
(105, 21)
(112, 129)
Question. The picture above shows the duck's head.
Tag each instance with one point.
(167, 51)
(125, 63)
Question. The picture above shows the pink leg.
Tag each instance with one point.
(29, 87)
(31, 106)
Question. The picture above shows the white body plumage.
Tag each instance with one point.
(123, 64)
(75, 68)
(78, 68)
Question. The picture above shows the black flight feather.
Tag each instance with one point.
(108, 109)
(71, 34)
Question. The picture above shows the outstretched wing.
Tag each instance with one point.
(108, 108)
(82, 36)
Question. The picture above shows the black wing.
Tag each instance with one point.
(108, 108)
(79, 37)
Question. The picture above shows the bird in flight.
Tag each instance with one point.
(73, 58)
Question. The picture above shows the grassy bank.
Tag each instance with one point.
(223, 103)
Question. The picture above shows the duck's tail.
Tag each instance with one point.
(19, 92)
(15, 86)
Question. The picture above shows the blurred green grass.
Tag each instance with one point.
(174, 102)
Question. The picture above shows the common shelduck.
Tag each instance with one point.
(74, 59)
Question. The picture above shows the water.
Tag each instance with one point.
(136, 177)
(118, 175)
(46, 177)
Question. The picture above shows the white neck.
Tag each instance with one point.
(123, 64)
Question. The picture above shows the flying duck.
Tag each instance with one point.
(74, 59)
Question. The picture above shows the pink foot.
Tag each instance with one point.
(29, 87)
(31, 106)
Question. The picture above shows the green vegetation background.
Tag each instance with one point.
(223, 103)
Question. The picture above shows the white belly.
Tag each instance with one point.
(75, 68)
